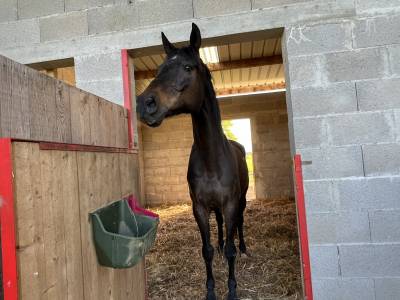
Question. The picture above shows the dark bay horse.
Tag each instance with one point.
(217, 174)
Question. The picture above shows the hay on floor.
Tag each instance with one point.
(176, 269)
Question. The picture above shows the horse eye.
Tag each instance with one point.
(188, 68)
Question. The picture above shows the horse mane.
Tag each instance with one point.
(212, 102)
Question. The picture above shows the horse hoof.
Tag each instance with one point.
(211, 295)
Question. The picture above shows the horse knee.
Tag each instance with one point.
(230, 250)
(208, 252)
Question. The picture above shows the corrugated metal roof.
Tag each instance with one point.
(230, 80)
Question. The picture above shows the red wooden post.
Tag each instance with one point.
(126, 78)
(7, 222)
(302, 221)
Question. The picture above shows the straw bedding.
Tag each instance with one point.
(176, 269)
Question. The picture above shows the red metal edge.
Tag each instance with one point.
(126, 79)
(84, 148)
(7, 222)
(302, 223)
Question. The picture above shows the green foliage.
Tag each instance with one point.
(227, 127)
(249, 160)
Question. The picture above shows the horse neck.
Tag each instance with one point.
(208, 135)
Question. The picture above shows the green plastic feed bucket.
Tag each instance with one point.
(122, 237)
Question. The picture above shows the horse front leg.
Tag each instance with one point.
(201, 215)
(220, 221)
(231, 215)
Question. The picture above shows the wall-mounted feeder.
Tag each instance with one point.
(121, 236)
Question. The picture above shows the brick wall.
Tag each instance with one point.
(166, 150)
(344, 92)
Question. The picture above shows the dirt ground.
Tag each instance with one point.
(176, 269)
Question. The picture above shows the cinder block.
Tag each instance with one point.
(374, 7)
(207, 8)
(94, 3)
(20, 33)
(378, 94)
(397, 123)
(110, 90)
(64, 26)
(319, 196)
(368, 193)
(331, 99)
(376, 31)
(163, 11)
(361, 128)
(256, 4)
(332, 162)
(306, 71)
(308, 40)
(8, 10)
(324, 261)
(113, 18)
(385, 226)
(343, 289)
(387, 288)
(394, 59)
(381, 159)
(356, 65)
(309, 132)
(342, 227)
(97, 67)
(72, 5)
(31, 9)
(370, 260)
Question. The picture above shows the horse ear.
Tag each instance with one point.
(168, 47)
(195, 37)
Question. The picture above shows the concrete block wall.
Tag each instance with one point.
(166, 150)
(343, 61)
(344, 94)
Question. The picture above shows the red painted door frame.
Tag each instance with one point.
(7, 222)
(302, 223)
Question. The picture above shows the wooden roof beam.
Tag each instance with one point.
(250, 89)
(227, 65)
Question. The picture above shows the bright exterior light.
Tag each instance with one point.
(209, 55)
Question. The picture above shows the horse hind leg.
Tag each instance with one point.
(220, 221)
(242, 245)
(230, 215)
(202, 218)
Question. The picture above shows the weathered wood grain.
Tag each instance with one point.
(63, 113)
(20, 108)
(80, 117)
(42, 106)
(5, 96)
(37, 107)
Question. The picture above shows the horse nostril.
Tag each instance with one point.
(151, 104)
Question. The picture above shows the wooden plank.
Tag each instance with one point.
(80, 117)
(29, 221)
(103, 127)
(129, 174)
(63, 113)
(54, 230)
(94, 118)
(66, 191)
(41, 93)
(20, 113)
(94, 171)
(5, 96)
